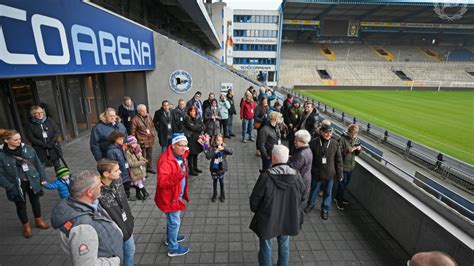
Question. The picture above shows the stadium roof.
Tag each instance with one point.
(373, 10)
(194, 14)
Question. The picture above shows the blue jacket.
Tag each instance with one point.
(99, 141)
(61, 185)
(115, 152)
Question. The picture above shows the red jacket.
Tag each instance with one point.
(169, 180)
(247, 110)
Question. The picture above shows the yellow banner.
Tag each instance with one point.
(301, 22)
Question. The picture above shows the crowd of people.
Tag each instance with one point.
(95, 204)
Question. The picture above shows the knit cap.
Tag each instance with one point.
(63, 171)
(131, 139)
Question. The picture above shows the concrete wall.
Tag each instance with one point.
(414, 225)
(207, 77)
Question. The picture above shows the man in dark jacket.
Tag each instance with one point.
(277, 201)
(207, 102)
(163, 124)
(232, 112)
(310, 119)
(99, 139)
(82, 222)
(178, 114)
(126, 111)
(327, 165)
(268, 137)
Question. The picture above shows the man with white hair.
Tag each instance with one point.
(303, 156)
(267, 137)
(277, 201)
(142, 128)
(88, 235)
(432, 258)
(172, 189)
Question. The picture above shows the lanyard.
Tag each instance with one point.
(327, 147)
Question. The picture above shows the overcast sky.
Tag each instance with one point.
(255, 4)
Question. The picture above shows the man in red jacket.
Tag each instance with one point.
(171, 189)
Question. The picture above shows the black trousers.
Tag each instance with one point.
(21, 205)
(192, 162)
(223, 125)
(215, 178)
(148, 153)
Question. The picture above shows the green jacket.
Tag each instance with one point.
(348, 158)
(9, 177)
(295, 114)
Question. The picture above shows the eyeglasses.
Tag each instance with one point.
(182, 145)
(37, 113)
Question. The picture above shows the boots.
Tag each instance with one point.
(214, 197)
(27, 233)
(40, 223)
(138, 194)
(195, 165)
(191, 163)
(214, 194)
(145, 193)
(222, 197)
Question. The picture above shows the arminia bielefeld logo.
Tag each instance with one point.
(450, 9)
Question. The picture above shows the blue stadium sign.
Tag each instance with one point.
(51, 37)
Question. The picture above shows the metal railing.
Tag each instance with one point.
(449, 169)
(458, 172)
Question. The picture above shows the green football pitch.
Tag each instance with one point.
(441, 120)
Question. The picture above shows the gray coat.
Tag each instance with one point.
(212, 127)
(301, 161)
(88, 235)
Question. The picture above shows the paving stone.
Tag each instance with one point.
(216, 233)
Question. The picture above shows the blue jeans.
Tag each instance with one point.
(129, 251)
(266, 163)
(316, 186)
(341, 186)
(265, 252)
(229, 125)
(173, 221)
(247, 127)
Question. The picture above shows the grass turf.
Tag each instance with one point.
(441, 120)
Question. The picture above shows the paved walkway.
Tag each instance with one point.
(217, 233)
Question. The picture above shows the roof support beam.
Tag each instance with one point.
(370, 12)
(325, 12)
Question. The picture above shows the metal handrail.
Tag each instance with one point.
(455, 166)
(447, 168)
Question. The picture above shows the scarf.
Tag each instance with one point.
(137, 151)
(15, 152)
(131, 108)
(39, 121)
(217, 161)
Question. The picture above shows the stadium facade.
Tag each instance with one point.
(250, 39)
(76, 65)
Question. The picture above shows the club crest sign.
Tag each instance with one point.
(180, 81)
(450, 10)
